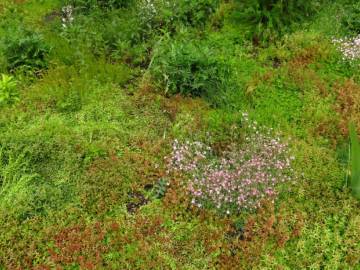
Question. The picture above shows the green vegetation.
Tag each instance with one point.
(271, 18)
(352, 20)
(24, 49)
(355, 162)
(87, 5)
(8, 93)
(189, 69)
(190, 134)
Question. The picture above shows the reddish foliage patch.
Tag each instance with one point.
(79, 244)
(264, 232)
(173, 105)
(348, 104)
(306, 57)
(176, 197)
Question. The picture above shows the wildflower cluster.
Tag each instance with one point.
(349, 47)
(238, 179)
(150, 13)
(67, 15)
(148, 8)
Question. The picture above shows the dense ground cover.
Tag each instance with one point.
(179, 134)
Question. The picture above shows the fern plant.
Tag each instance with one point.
(354, 162)
(26, 50)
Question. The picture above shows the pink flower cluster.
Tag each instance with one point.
(239, 179)
(349, 47)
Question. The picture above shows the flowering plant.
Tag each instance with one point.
(169, 14)
(67, 15)
(349, 47)
(238, 179)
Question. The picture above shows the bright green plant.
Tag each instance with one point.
(160, 188)
(182, 67)
(14, 181)
(354, 162)
(268, 19)
(8, 91)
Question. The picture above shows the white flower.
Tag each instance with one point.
(349, 47)
(67, 17)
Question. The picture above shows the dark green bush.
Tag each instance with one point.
(25, 49)
(87, 5)
(189, 69)
(168, 15)
(196, 12)
(268, 19)
(351, 20)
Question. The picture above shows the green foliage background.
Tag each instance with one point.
(97, 104)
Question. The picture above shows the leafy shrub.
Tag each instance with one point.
(8, 92)
(161, 14)
(351, 20)
(87, 5)
(355, 162)
(189, 69)
(196, 12)
(26, 50)
(240, 178)
(271, 18)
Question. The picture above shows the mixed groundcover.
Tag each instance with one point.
(179, 134)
